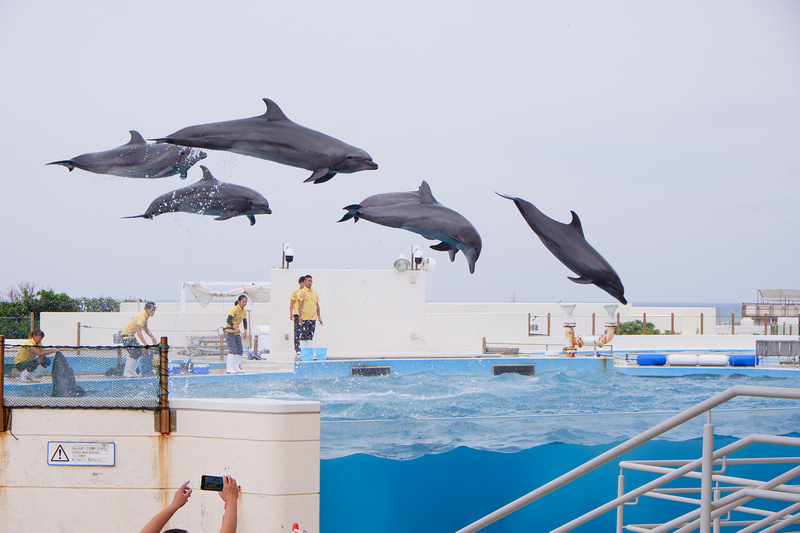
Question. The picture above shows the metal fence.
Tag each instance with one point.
(115, 377)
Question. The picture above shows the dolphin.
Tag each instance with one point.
(137, 159)
(274, 137)
(419, 212)
(210, 197)
(64, 383)
(567, 243)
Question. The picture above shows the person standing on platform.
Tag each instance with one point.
(136, 328)
(309, 310)
(294, 314)
(233, 335)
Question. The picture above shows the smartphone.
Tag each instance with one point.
(211, 483)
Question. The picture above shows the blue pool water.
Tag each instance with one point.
(427, 452)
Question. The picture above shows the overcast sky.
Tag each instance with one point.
(671, 128)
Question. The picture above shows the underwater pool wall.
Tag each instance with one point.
(270, 447)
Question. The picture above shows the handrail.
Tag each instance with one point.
(613, 453)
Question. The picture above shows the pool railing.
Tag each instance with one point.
(708, 509)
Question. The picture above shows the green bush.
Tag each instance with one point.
(634, 327)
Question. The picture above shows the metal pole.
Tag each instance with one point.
(672, 323)
(620, 492)
(548, 324)
(163, 351)
(78, 335)
(644, 323)
(733, 324)
(765, 323)
(706, 487)
(592, 323)
(701, 323)
(618, 330)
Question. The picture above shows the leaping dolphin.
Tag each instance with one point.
(272, 136)
(419, 212)
(567, 243)
(210, 197)
(137, 159)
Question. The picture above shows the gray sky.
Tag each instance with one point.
(671, 128)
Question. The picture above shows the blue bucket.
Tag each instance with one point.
(322, 354)
(306, 354)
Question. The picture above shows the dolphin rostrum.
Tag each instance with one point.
(567, 243)
(137, 159)
(274, 137)
(419, 212)
(210, 197)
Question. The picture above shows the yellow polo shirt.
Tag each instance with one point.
(296, 301)
(139, 319)
(310, 300)
(238, 314)
(25, 354)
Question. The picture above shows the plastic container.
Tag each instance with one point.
(651, 359)
(712, 359)
(200, 369)
(743, 360)
(682, 359)
(306, 354)
(321, 354)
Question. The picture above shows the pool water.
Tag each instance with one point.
(427, 452)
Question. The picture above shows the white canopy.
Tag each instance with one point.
(257, 292)
(779, 294)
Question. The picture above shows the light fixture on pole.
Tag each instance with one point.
(288, 255)
(401, 264)
(416, 255)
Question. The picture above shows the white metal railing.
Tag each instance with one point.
(705, 513)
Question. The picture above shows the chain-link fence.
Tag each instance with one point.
(85, 376)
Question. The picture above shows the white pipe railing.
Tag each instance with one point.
(630, 444)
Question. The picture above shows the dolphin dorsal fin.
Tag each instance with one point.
(207, 176)
(273, 111)
(136, 138)
(425, 194)
(576, 223)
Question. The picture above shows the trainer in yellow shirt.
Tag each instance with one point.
(233, 335)
(294, 313)
(309, 310)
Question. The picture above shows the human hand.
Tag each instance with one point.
(181, 496)
(230, 490)
(244, 335)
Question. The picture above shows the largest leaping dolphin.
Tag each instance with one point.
(210, 197)
(137, 159)
(567, 243)
(272, 136)
(419, 212)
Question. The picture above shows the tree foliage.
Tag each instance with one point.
(634, 327)
(24, 299)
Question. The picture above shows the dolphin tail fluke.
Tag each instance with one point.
(66, 163)
(352, 212)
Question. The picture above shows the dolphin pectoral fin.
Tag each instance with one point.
(442, 247)
(66, 163)
(148, 217)
(230, 213)
(581, 280)
(321, 175)
(161, 173)
(252, 220)
(452, 253)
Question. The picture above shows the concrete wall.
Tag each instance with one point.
(270, 447)
(97, 329)
(364, 312)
